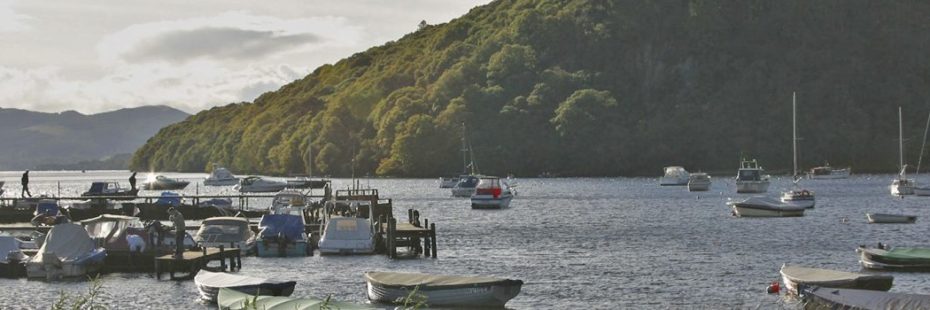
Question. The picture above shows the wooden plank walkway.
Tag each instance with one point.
(193, 261)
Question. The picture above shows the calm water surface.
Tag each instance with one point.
(576, 242)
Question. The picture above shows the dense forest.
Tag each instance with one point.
(591, 88)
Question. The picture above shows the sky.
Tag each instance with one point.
(101, 55)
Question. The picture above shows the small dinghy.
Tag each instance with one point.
(793, 276)
(883, 218)
(900, 259)
(233, 300)
(210, 283)
(844, 298)
(442, 290)
(760, 206)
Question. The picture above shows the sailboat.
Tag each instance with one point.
(797, 195)
(469, 180)
(922, 190)
(450, 182)
(901, 185)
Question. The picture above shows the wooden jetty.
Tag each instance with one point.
(193, 261)
(408, 235)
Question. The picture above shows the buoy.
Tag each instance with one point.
(773, 288)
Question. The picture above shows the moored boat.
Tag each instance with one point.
(491, 193)
(225, 231)
(826, 172)
(845, 298)
(282, 235)
(12, 259)
(347, 235)
(793, 276)
(900, 259)
(760, 206)
(674, 176)
(161, 182)
(465, 187)
(799, 197)
(67, 252)
(699, 182)
(229, 299)
(901, 185)
(449, 182)
(220, 177)
(256, 184)
(750, 178)
(210, 283)
(110, 189)
(442, 290)
(884, 218)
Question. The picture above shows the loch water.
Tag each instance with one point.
(602, 243)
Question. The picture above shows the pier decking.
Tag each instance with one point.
(193, 261)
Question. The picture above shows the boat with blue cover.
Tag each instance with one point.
(282, 235)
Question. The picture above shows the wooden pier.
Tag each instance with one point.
(193, 261)
(408, 235)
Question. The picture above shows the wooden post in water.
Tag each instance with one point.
(432, 237)
(222, 258)
(426, 241)
(392, 229)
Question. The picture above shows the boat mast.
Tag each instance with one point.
(794, 133)
(900, 142)
(464, 152)
(922, 145)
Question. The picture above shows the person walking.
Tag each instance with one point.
(25, 182)
(177, 218)
(132, 181)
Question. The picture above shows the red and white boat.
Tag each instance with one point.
(491, 193)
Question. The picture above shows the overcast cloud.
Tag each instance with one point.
(92, 56)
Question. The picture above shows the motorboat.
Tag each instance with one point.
(826, 172)
(288, 198)
(209, 284)
(797, 195)
(465, 187)
(793, 276)
(884, 218)
(220, 177)
(161, 182)
(113, 233)
(347, 235)
(761, 206)
(233, 232)
(111, 190)
(67, 252)
(305, 182)
(442, 290)
(674, 176)
(491, 193)
(896, 259)
(48, 213)
(844, 298)
(901, 185)
(282, 234)
(12, 259)
(449, 182)
(256, 184)
(230, 299)
(699, 182)
(750, 178)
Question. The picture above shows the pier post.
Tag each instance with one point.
(410, 216)
(223, 258)
(432, 238)
(392, 227)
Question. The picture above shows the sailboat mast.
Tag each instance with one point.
(900, 142)
(922, 145)
(464, 152)
(794, 131)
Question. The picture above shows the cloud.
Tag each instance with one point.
(230, 36)
(10, 20)
(220, 43)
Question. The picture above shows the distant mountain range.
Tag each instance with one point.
(34, 139)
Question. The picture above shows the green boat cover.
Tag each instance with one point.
(429, 281)
(909, 254)
(233, 300)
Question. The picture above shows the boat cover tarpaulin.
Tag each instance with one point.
(68, 241)
(8, 244)
(431, 281)
(348, 229)
(908, 254)
(835, 278)
(233, 300)
(840, 298)
(220, 279)
(290, 226)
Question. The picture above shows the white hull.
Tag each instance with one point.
(901, 190)
(475, 296)
(67, 270)
(921, 191)
(698, 186)
(755, 212)
(752, 186)
(878, 218)
(835, 174)
(221, 182)
(448, 182)
(491, 203)
(673, 181)
(794, 275)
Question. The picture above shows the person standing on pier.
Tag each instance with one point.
(177, 218)
(25, 182)
(132, 181)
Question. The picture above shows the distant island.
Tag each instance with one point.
(32, 140)
(589, 88)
